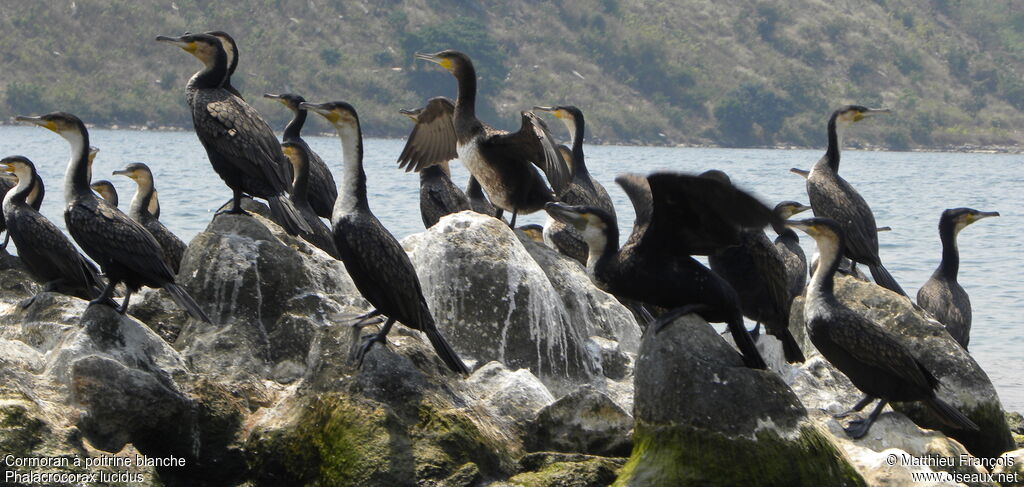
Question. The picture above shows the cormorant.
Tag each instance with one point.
(788, 244)
(239, 143)
(322, 188)
(872, 357)
(125, 250)
(687, 215)
(583, 189)
(439, 196)
(6, 185)
(231, 50)
(378, 265)
(533, 231)
(298, 153)
(34, 198)
(47, 253)
(757, 271)
(106, 191)
(500, 161)
(832, 197)
(173, 247)
(478, 202)
(942, 296)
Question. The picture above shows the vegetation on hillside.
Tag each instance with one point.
(736, 72)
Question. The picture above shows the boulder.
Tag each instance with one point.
(564, 470)
(584, 421)
(963, 383)
(1010, 469)
(516, 396)
(494, 302)
(697, 409)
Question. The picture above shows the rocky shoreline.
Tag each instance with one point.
(566, 388)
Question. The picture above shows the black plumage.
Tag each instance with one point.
(322, 188)
(942, 295)
(239, 143)
(788, 244)
(873, 358)
(299, 154)
(125, 250)
(5, 186)
(46, 252)
(231, 50)
(583, 189)
(439, 196)
(501, 161)
(378, 265)
(832, 197)
(173, 247)
(687, 215)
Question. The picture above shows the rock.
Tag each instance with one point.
(615, 364)
(563, 470)
(467, 475)
(697, 409)
(1016, 423)
(584, 421)
(517, 395)
(494, 302)
(1010, 468)
(963, 383)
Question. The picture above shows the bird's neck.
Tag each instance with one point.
(950, 265)
(294, 127)
(785, 234)
(465, 102)
(142, 199)
(20, 193)
(835, 140)
(579, 165)
(77, 178)
(213, 74)
(601, 251)
(300, 184)
(352, 196)
(823, 280)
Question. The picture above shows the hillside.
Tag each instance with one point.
(734, 73)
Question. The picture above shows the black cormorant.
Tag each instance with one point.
(298, 153)
(439, 196)
(378, 265)
(47, 253)
(106, 191)
(832, 197)
(322, 188)
(501, 161)
(125, 250)
(173, 247)
(872, 357)
(942, 296)
(687, 215)
(583, 189)
(788, 244)
(239, 143)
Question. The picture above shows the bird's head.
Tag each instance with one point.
(593, 224)
(786, 209)
(62, 123)
(290, 100)
(412, 113)
(230, 48)
(851, 114)
(204, 47)
(19, 166)
(106, 190)
(568, 114)
(533, 231)
(959, 218)
(296, 154)
(136, 171)
(820, 229)
(340, 114)
(454, 61)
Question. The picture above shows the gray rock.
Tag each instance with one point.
(494, 302)
(584, 421)
(1011, 469)
(515, 395)
(565, 470)
(697, 409)
(963, 383)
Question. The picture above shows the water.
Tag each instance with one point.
(907, 191)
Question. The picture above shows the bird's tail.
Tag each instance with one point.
(285, 214)
(884, 279)
(446, 352)
(950, 415)
(180, 296)
(790, 348)
(745, 342)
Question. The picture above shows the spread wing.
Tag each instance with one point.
(532, 142)
(108, 235)
(433, 137)
(639, 192)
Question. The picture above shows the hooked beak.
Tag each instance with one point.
(47, 124)
(870, 112)
(8, 168)
(565, 214)
(985, 214)
(413, 114)
(799, 225)
(122, 172)
(799, 172)
(271, 96)
(319, 108)
(178, 41)
(427, 57)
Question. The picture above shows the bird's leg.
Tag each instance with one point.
(104, 297)
(859, 428)
(670, 316)
(380, 337)
(366, 319)
(512, 224)
(236, 205)
(124, 305)
(856, 407)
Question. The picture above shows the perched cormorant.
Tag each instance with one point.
(239, 143)
(478, 202)
(106, 191)
(942, 296)
(832, 197)
(757, 271)
(687, 215)
(322, 188)
(501, 161)
(788, 244)
(125, 250)
(35, 196)
(47, 253)
(378, 265)
(872, 357)
(583, 189)
(298, 153)
(439, 196)
(173, 247)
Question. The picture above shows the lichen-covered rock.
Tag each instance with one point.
(1016, 423)
(1010, 469)
(963, 383)
(564, 470)
(494, 302)
(697, 408)
(584, 421)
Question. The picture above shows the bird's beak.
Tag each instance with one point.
(122, 172)
(189, 46)
(799, 172)
(552, 110)
(8, 168)
(565, 214)
(984, 214)
(319, 108)
(796, 210)
(412, 114)
(883, 229)
(800, 225)
(870, 112)
(434, 58)
(47, 124)
(271, 96)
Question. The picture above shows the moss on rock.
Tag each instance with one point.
(669, 456)
(566, 470)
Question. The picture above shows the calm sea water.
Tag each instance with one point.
(907, 191)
